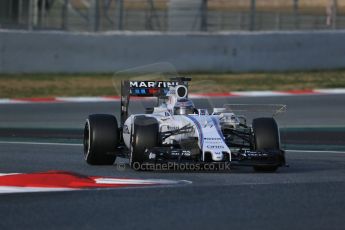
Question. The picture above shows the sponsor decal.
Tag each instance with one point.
(249, 153)
(215, 146)
(152, 84)
(185, 153)
(171, 128)
(212, 138)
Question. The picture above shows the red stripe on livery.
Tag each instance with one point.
(153, 91)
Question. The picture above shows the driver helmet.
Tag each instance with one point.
(184, 107)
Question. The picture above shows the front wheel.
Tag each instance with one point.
(101, 137)
(266, 138)
(145, 135)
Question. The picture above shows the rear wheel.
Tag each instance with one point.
(145, 135)
(266, 138)
(101, 137)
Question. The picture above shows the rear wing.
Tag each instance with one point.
(157, 89)
(147, 88)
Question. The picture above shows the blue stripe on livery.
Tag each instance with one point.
(198, 126)
(217, 128)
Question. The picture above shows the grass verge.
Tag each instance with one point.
(52, 85)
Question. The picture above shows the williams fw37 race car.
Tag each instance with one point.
(176, 131)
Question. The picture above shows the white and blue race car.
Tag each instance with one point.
(176, 131)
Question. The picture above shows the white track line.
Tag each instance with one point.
(330, 91)
(6, 174)
(86, 99)
(15, 189)
(315, 151)
(137, 181)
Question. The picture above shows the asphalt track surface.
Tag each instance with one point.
(306, 111)
(307, 195)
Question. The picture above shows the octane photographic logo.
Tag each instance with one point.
(173, 166)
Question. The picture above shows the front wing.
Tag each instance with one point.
(240, 158)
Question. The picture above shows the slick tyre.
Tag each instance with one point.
(145, 135)
(101, 137)
(266, 137)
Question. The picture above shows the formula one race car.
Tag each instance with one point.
(176, 131)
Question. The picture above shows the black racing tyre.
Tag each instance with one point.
(266, 137)
(101, 137)
(145, 135)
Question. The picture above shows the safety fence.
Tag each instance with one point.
(172, 15)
